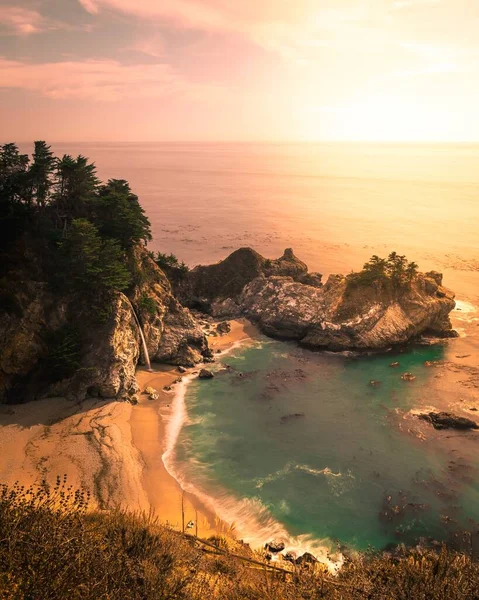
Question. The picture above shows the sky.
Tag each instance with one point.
(239, 70)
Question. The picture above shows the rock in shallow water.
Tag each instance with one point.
(205, 374)
(275, 546)
(444, 420)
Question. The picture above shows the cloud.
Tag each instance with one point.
(103, 80)
(261, 21)
(22, 20)
(291, 28)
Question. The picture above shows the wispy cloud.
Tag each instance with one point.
(22, 20)
(102, 80)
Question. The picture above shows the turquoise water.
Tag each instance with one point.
(327, 474)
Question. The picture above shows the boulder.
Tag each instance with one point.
(306, 558)
(223, 327)
(275, 546)
(290, 557)
(444, 420)
(205, 374)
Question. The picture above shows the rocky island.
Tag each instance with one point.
(387, 303)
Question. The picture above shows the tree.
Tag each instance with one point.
(395, 269)
(118, 214)
(13, 169)
(15, 205)
(90, 263)
(76, 184)
(411, 270)
(41, 173)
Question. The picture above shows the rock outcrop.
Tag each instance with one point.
(341, 314)
(108, 348)
(172, 334)
(216, 288)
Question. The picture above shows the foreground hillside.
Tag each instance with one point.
(51, 548)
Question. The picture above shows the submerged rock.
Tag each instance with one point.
(286, 418)
(408, 377)
(444, 420)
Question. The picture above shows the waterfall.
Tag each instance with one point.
(143, 341)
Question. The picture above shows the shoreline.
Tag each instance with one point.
(152, 423)
(117, 450)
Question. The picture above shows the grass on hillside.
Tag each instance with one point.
(53, 548)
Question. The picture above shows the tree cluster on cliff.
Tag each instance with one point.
(394, 269)
(79, 229)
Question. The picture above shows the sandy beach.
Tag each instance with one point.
(113, 449)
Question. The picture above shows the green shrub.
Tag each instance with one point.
(147, 304)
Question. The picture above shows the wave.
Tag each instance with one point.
(289, 468)
(252, 520)
(464, 307)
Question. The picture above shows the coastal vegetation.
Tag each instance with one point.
(78, 230)
(53, 547)
(395, 269)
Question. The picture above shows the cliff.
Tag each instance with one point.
(55, 344)
(342, 314)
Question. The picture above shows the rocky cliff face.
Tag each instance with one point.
(337, 318)
(339, 315)
(172, 333)
(107, 350)
(216, 288)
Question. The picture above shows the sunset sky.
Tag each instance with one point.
(140, 70)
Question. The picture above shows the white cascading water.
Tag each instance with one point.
(143, 341)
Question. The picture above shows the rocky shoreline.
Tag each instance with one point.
(280, 296)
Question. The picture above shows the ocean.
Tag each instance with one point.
(356, 468)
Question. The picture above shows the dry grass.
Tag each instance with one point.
(53, 548)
